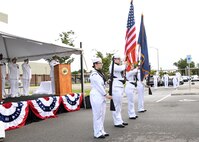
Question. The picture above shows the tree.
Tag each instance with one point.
(66, 38)
(80, 71)
(75, 72)
(182, 65)
(106, 62)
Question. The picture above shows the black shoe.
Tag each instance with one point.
(142, 111)
(125, 123)
(107, 134)
(100, 137)
(120, 126)
(132, 117)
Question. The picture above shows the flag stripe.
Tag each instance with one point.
(130, 46)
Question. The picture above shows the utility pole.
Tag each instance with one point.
(157, 57)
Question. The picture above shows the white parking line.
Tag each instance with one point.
(187, 100)
(163, 98)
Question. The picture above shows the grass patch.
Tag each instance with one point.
(87, 92)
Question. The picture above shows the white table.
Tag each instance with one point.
(44, 88)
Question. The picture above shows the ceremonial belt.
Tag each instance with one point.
(134, 83)
(123, 81)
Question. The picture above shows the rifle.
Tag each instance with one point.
(112, 106)
(150, 92)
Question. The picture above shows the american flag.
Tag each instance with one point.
(130, 47)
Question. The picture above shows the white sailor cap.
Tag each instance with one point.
(26, 59)
(116, 55)
(14, 58)
(95, 60)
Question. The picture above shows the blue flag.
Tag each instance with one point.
(144, 61)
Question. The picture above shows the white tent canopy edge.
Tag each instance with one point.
(14, 46)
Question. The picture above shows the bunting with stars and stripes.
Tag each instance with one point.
(45, 107)
(72, 102)
(14, 114)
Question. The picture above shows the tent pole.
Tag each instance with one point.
(82, 75)
(0, 86)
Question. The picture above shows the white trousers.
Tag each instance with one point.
(155, 83)
(3, 87)
(98, 104)
(130, 93)
(2, 130)
(14, 87)
(117, 95)
(53, 85)
(166, 83)
(178, 82)
(140, 89)
(26, 86)
(174, 84)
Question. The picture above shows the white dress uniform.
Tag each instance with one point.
(52, 64)
(98, 102)
(155, 81)
(117, 93)
(27, 75)
(130, 91)
(14, 75)
(2, 131)
(166, 80)
(140, 89)
(175, 82)
(3, 77)
(178, 75)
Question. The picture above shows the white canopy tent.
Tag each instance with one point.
(13, 46)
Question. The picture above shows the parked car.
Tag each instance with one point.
(151, 81)
(194, 78)
(170, 82)
(185, 78)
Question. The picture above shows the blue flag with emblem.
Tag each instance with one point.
(142, 41)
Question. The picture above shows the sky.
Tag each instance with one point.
(171, 25)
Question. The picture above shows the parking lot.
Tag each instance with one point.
(171, 117)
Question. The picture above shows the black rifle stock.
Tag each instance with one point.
(112, 106)
(150, 92)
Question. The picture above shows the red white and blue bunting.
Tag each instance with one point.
(14, 115)
(45, 107)
(72, 102)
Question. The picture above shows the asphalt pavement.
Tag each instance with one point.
(171, 116)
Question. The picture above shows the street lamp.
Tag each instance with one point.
(157, 56)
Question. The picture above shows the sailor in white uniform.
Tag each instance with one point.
(3, 75)
(27, 75)
(2, 131)
(98, 97)
(166, 80)
(130, 91)
(175, 82)
(53, 62)
(117, 91)
(140, 89)
(155, 80)
(178, 76)
(14, 75)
